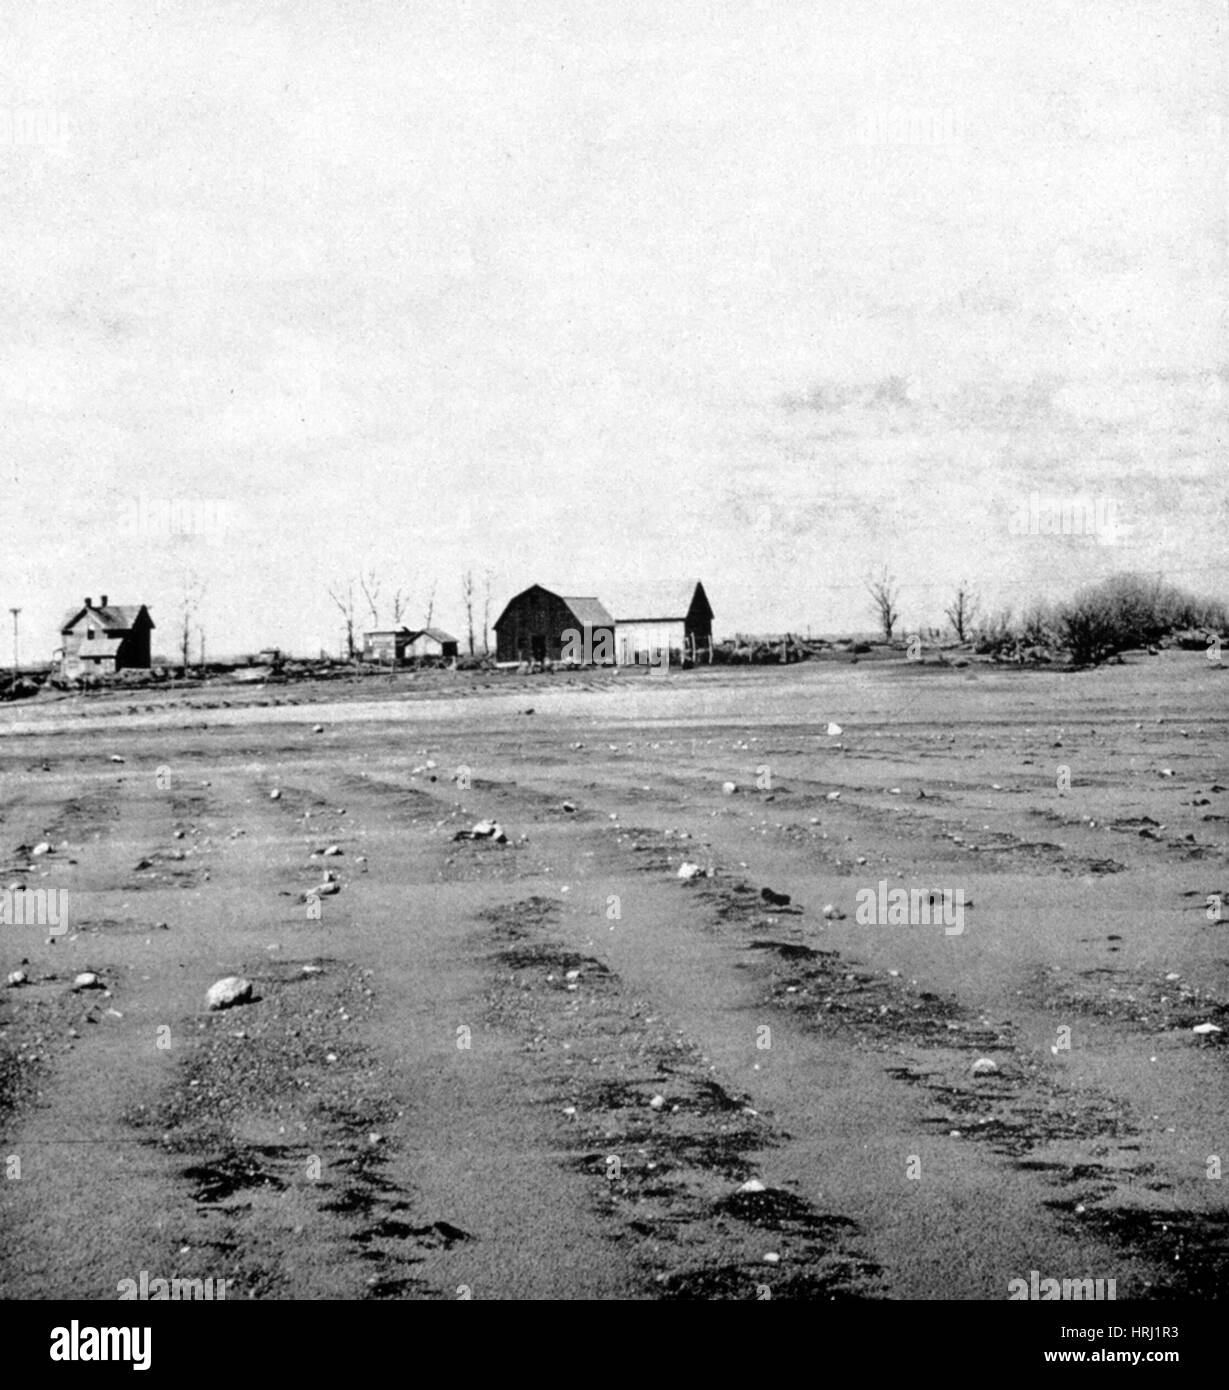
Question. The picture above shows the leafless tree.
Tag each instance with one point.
(467, 596)
(488, 578)
(343, 599)
(963, 612)
(370, 586)
(190, 603)
(430, 606)
(884, 594)
(399, 605)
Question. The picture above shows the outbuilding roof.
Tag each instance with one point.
(589, 612)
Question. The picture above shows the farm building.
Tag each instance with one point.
(430, 643)
(387, 645)
(394, 646)
(537, 625)
(104, 639)
(678, 620)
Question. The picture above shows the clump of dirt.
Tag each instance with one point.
(1191, 1247)
(1132, 998)
(289, 1063)
(516, 920)
(664, 1142)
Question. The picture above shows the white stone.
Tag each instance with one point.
(229, 991)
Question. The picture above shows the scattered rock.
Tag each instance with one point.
(42, 848)
(568, 806)
(275, 794)
(688, 870)
(833, 913)
(753, 1185)
(115, 758)
(17, 977)
(834, 796)
(334, 850)
(484, 830)
(225, 993)
(87, 980)
(729, 788)
(775, 899)
(1205, 1028)
(317, 728)
(985, 1066)
(657, 1103)
(834, 730)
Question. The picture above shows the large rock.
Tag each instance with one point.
(224, 994)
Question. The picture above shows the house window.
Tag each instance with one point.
(89, 633)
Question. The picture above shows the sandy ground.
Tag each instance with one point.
(548, 1068)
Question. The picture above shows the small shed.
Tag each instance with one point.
(431, 643)
(386, 645)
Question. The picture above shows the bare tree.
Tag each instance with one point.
(963, 612)
(430, 606)
(370, 586)
(399, 605)
(190, 603)
(884, 594)
(343, 599)
(486, 613)
(467, 597)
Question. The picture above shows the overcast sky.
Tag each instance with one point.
(591, 294)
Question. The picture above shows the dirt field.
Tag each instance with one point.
(548, 1068)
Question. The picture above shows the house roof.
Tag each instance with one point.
(436, 635)
(668, 602)
(388, 631)
(115, 617)
(589, 612)
(100, 648)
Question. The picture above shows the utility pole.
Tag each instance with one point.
(16, 663)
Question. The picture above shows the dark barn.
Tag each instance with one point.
(536, 624)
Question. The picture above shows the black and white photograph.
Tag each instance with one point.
(614, 661)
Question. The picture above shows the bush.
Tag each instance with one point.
(1130, 610)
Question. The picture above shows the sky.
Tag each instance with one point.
(600, 295)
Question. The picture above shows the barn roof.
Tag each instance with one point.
(667, 602)
(589, 612)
